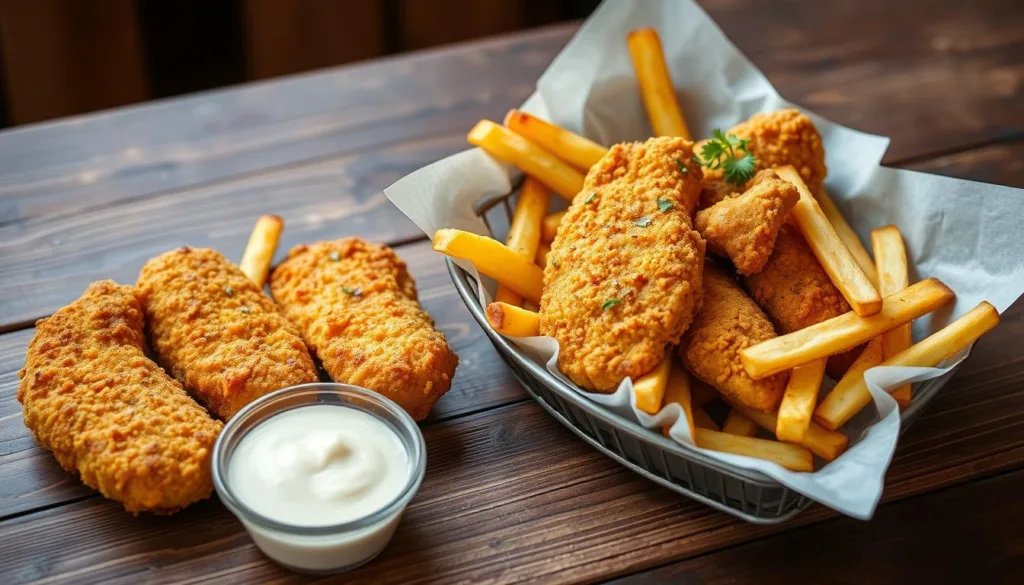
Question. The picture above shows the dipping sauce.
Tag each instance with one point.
(319, 465)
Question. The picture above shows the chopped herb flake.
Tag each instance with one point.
(244, 309)
(335, 256)
(682, 167)
(356, 292)
(643, 221)
(554, 262)
(665, 204)
(591, 198)
(229, 291)
(610, 303)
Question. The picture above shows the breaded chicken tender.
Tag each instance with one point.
(728, 322)
(794, 290)
(109, 413)
(623, 277)
(217, 333)
(358, 311)
(743, 228)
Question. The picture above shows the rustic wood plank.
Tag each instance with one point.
(47, 266)
(32, 478)
(512, 496)
(1002, 164)
(980, 543)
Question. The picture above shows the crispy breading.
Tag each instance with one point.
(786, 137)
(794, 290)
(743, 228)
(358, 311)
(217, 333)
(727, 322)
(109, 413)
(623, 275)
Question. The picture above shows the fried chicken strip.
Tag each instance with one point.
(217, 333)
(743, 228)
(727, 322)
(108, 413)
(623, 277)
(358, 311)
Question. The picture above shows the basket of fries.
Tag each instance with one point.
(698, 303)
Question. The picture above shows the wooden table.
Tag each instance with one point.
(509, 494)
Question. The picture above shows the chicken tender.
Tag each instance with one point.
(357, 308)
(786, 137)
(108, 413)
(794, 290)
(728, 322)
(623, 277)
(743, 228)
(217, 333)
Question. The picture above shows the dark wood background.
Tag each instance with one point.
(510, 495)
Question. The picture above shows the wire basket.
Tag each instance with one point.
(746, 494)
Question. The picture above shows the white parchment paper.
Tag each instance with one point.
(967, 234)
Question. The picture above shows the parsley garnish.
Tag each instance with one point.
(229, 291)
(610, 303)
(643, 221)
(554, 262)
(335, 256)
(665, 205)
(356, 292)
(682, 167)
(729, 153)
(591, 198)
(244, 309)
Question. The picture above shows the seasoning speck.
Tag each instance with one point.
(355, 292)
(643, 221)
(665, 204)
(610, 303)
(591, 198)
(335, 256)
(229, 291)
(244, 309)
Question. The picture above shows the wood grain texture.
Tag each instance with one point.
(1002, 164)
(979, 522)
(32, 478)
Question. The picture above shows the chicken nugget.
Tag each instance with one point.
(786, 137)
(217, 333)
(729, 321)
(623, 277)
(109, 413)
(357, 308)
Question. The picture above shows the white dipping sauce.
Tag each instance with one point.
(319, 465)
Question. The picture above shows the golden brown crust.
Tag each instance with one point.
(786, 137)
(727, 322)
(217, 333)
(357, 308)
(108, 413)
(743, 228)
(615, 242)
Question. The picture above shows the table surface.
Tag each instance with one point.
(510, 495)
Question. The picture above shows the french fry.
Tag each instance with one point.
(891, 258)
(524, 232)
(798, 402)
(703, 420)
(825, 444)
(792, 457)
(678, 390)
(848, 236)
(656, 84)
(574, 149)
(494, 259)
(511, 320)
(259, 252)
(542, 255)
(703, 393)
(848, 397)
(737, 424)
(649, 389)
(844, 332)
(530, 158)
(830, 250)
(549, 227)
(927, 353)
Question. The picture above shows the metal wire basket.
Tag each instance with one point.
(749, 495)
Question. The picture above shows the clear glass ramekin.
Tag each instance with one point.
(330, 548)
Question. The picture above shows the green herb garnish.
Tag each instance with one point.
(610, 303)
(355, 292)
(643, 221)
(591, 198)
(665, 205)
(682, 168)
(554, 262)
(729, 153)
(229, 291)
(334, 256)
(244, 309)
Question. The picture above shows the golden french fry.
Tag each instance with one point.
(825, 444)
(574, 149)
(532, 159)
(792, 457)
(549, 228)
(737, 424)
(844, 332)
(891, 258)
(511, 320)
(524, 232)
(542, 255)
(848, 397)
(649, 389)
(848, 236)
(703, 393)
(494, 259)
(678, 390)
(702, 420)
(656, 84)
(798, 402)
(830, 250)
(259, 252)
